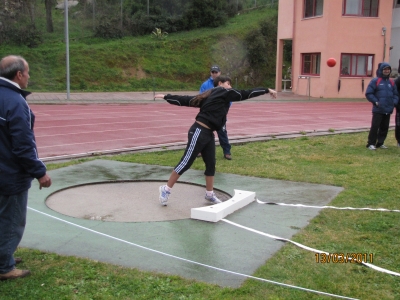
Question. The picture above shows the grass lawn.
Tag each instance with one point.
(369, 178)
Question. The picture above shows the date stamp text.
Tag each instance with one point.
(340, 258)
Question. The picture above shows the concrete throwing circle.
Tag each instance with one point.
(129, 201)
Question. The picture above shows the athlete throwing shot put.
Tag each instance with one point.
(214, 106)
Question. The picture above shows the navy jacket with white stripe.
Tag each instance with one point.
(19, 162)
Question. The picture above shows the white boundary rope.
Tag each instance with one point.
(333, 207)
(312, 249)
(191, 261)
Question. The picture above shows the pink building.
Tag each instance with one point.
(357, 33)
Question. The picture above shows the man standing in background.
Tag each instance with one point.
(382, 93)
(397, 120)
(19, 163)
(215, 71)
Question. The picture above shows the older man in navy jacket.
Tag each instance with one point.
(19, 162)
(383, 95)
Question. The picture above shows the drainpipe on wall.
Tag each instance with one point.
(384, 42)
(293, 47)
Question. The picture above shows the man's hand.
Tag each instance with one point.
(44, 181)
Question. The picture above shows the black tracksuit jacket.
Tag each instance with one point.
(215, 107)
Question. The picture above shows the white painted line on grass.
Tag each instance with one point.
(333, 207)
(191, 261)
(345, 258)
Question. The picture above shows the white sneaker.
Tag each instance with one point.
(164, 195)
(382, 147)
(213, 198)
(371, 147)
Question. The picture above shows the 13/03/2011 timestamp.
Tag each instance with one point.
(340, 258)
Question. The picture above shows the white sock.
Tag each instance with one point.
(167, 188)
(209, 193)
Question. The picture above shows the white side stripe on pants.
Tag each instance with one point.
(189, 151)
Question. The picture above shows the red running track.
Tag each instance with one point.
(79, 130)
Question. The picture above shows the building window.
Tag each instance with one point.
(362, 8)
(311, 63)
(313, 8)
(354, 65)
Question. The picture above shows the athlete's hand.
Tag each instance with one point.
(272, 93)
(159, 96)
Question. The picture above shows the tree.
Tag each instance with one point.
(49, 4)
(205, 13)
(31, 9)
(261, 47)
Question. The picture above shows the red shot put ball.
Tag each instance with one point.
(331, 62)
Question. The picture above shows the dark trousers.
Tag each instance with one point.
(397, 127)
(200, 140)
(379, 129)
(12, 225)
(223, 140)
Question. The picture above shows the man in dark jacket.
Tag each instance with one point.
(19, 162)
(397, 120)
(383, 95)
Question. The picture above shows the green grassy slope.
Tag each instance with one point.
(179, 62)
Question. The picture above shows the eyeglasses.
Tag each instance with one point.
(214, 72)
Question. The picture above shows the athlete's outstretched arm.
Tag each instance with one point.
(175, 99)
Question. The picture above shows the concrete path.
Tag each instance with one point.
(113, 224)
(126, 97)
(109, 211)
